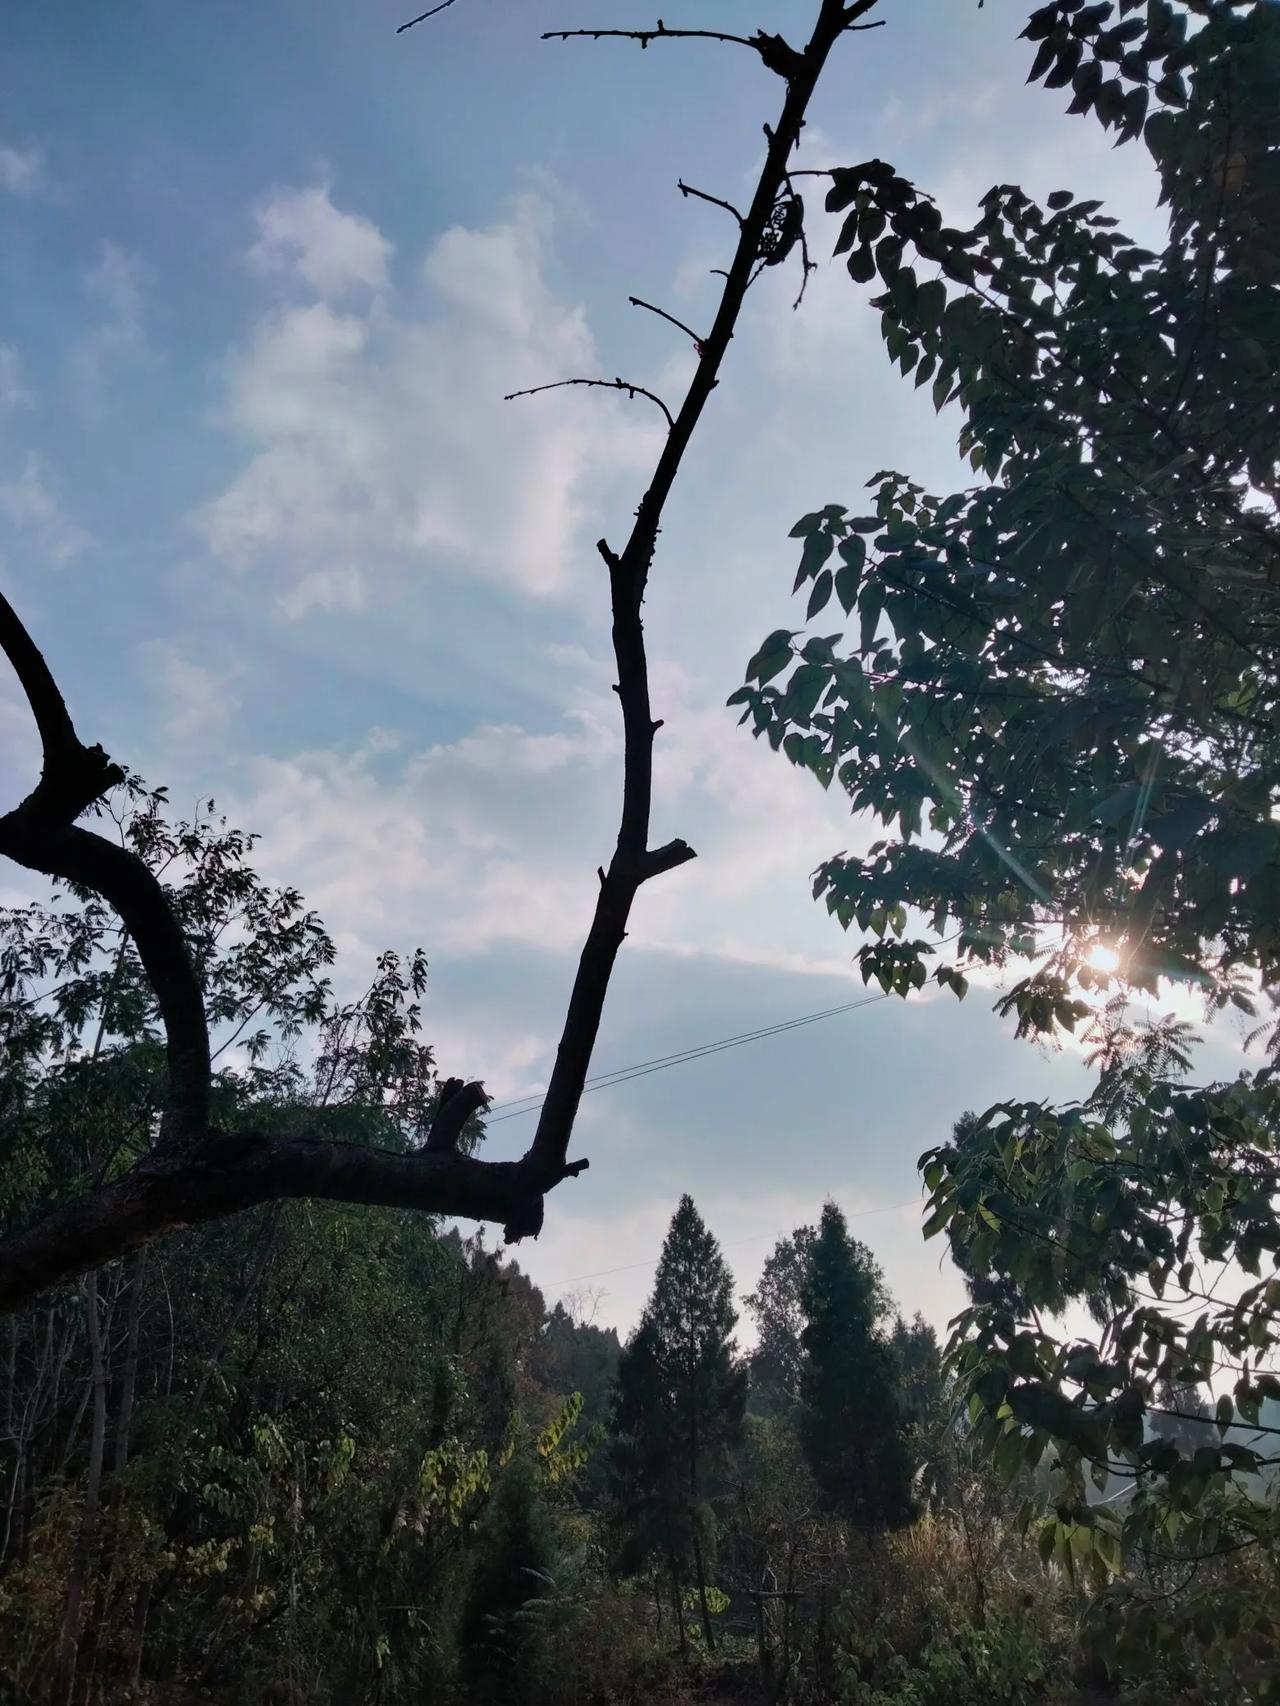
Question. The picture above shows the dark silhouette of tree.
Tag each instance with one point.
(515, 1548)
(681, 1398)
(779, 1316)
(1068, 673)
(851, 1418)
(195, 1169)
(929, 1424)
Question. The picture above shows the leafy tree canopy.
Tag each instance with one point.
(1062, 690)
(1060, 698)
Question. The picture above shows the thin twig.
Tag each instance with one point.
(688, 189)
(604, 384)
(806, 267)
(639, 302)
(423, 16)
(644, 37)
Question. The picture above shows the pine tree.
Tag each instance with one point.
(852, 1425)
(680, 1402)
(779, 1315)
(778, 1306)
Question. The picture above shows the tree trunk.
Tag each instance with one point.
(678, 1603)
(702, 1584)
(72, 1623)
(129, 1375)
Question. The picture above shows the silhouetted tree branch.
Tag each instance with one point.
(602, 384)
(197, 1173)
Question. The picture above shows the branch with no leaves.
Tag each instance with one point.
(625, 385)
(688, 190)
(776, 54)
(423, 16)
(639, 302)
(196, 1173)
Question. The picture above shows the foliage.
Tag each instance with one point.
(1062, 697)
(307, 1410)
(681, 1396)
(1061, 702)
(851, 1420)
(779, 1317)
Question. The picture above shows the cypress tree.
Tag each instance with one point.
(680, 1400)
(852, 1426)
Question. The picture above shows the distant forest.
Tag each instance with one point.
(321, 1454)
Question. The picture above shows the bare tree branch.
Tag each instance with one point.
(639, 302)
(660, 32)
(688, 190)
(235, 1171)
(604, 384)
(633, 862)
(423, 16)
(197, 1173)
(41, 834)
(457, 1103)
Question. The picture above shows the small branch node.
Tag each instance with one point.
(456, 1103)
(667, 858)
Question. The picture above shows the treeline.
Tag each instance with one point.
(321, 1454)
(324, 1454)
(327, 1455)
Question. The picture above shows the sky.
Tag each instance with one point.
(266, 274)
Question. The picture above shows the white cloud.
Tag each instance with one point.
(199, 702)
(303, 236)
(117, 341)
(469, 842)
(382, 437)
(21, 170)
(29, 504)
(13, 389)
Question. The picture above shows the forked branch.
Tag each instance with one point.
(196, 1172)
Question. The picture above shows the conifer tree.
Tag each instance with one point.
(851, 1419)
(681, 1396)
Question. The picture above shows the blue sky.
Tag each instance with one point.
(266, 273)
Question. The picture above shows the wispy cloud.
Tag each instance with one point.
(303, 237)
(117, 340)
(29, 504)
(14, 392)
(22, 171)
(199, 702)
(380, 436)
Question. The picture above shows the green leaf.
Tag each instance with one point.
(846, 583)
(820, 595)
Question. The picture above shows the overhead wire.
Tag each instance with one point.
(641, 1069)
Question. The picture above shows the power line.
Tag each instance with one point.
(733, 1244)
(642, 1069)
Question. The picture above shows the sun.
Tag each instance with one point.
(1102, 958)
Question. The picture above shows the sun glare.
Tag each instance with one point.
(1102, 958)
